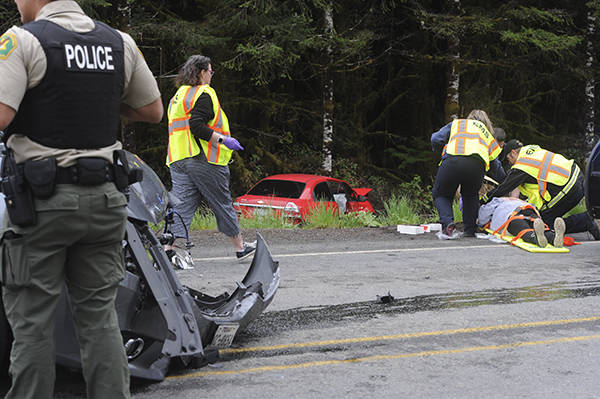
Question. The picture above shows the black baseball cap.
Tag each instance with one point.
(509, 146)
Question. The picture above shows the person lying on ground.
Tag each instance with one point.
(522, 220)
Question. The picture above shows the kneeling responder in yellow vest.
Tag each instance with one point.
(552, 183)
(465, 159)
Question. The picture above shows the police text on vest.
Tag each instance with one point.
(89, 58)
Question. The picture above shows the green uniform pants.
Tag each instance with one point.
(78, 241)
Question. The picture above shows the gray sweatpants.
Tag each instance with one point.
(194, 178)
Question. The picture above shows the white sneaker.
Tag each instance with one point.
(539, 227)
(559, 232)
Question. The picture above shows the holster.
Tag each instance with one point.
(18, 196)
(125, 174)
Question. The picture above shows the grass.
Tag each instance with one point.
(203, 219)
(458, 217)
(270, 220)
(398, 210)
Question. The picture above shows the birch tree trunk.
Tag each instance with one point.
(328, 103)
(590, 87)
(127, 128)
(452, 105)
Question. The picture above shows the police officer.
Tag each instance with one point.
(66, 80)
(552, 183)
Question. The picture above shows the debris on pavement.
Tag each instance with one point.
(385, 298)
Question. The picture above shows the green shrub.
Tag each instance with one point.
(322, 217)
(400, 210)
(359, 219)
(418, 194)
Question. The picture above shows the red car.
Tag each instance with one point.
(296, 194)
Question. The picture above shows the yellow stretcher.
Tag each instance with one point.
(527, 246)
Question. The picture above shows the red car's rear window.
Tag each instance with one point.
(278, 188)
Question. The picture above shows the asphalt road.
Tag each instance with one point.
(470, 319)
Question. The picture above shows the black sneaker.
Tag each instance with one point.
(249, 248)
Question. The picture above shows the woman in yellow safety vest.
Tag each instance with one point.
(200, 147)
(552, 183)
(469, 147)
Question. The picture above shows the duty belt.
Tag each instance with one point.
(76, 175)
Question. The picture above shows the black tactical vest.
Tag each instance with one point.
(76, 105)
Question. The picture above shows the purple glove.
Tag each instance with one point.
(232, 144)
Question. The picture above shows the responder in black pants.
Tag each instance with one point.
(66, 80)
(469, 148)
(552, 183)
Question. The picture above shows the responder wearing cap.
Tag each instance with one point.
(552, 183)
(66, 81)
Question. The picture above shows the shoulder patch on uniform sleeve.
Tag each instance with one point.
(8, 42)
(140, 51)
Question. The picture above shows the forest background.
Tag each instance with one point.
(354, 88)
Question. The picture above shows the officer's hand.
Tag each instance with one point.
(232, 144)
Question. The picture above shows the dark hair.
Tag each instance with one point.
(513, 144)
(499, 134)
(189, 74)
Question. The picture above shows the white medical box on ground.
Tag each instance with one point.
(406, 229)
(432, 227)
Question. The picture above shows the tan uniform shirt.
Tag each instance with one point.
(23, 65)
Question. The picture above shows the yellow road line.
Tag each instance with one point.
(409, 335)
(388, 357)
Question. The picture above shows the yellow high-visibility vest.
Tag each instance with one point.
(471, 137)
(546, 167)
(182, 143)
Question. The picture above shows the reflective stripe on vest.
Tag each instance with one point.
(566, 188)
(182, 143)
(545, 166)
(471, 137)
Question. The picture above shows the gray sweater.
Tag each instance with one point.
(497, 211)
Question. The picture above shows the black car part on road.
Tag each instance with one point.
(160, 319)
